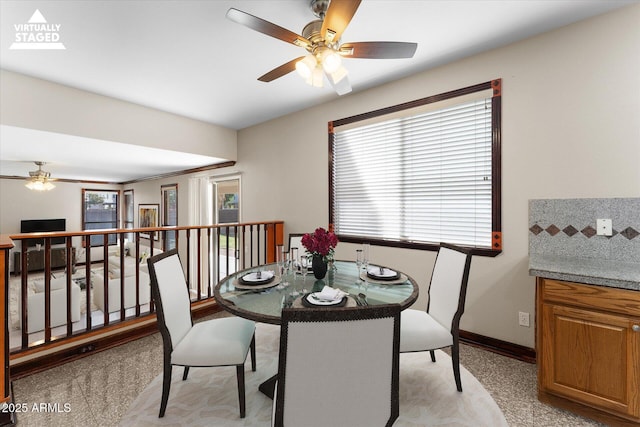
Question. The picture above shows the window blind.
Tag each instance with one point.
(423, 178)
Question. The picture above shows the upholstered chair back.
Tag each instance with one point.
(447, 290)
(170, 293)
(338, 367)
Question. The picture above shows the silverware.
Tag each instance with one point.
(363, 297)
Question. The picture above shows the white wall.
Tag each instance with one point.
(64, 201)
(570, 128)
(33, 103)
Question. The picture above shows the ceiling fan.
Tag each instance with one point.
(321, 39)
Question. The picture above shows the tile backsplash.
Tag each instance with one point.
(567, 227)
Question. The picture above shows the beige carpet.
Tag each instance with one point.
(428, 395)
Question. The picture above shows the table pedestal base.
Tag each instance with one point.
(269, 386)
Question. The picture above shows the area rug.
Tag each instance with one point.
(428, 395)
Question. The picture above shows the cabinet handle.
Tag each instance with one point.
(636, 328)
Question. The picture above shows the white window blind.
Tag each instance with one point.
(423, 178)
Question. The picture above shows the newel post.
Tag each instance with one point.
(6, 417)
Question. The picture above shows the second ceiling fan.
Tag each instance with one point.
(321, 39)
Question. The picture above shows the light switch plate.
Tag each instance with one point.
(604, 227)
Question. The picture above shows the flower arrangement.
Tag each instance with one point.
(321, 242)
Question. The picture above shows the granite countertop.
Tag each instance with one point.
(623, 275)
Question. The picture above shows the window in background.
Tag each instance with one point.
(227, 210)
(129, 212)
(420, 173)
(100, 211)
(169, 213)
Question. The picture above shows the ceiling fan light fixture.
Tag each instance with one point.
(330, 59)
(316, 78)
(39, 180)
(306, 66)
(40, 185)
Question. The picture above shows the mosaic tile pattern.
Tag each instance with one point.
(567, 228)
(570, 230)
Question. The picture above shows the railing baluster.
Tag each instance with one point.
(227, 251)
(235, 249)
(209, 273)
(199, 264)
(105, 269)
(217, 254)
(189, 260)
(47, 290)
(123, 274)
(244, 239)
(68, 274)
(23, 295)
(87, 274)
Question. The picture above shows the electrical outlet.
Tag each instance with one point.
(523, 319)
(604, 227)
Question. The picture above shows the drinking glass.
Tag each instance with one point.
(305, 263)
(280, 259)
(365, 256)
(293, 256)
(359, 261)
(286, 263)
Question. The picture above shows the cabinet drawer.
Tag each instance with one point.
(612, 300)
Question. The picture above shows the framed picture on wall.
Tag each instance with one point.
(148, 217)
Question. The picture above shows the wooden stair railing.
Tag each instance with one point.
(239, 245)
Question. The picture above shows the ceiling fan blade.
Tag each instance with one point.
(378, 50)
(266, 27)
(280, 71)
(337, 18)
(342, 86)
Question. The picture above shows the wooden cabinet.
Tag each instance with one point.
(35, 259)
(588, 347)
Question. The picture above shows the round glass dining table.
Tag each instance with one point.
(264, 303)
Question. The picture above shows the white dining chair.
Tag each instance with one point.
(216, 342)
(438, 326)
(338, 367)
(295, 241)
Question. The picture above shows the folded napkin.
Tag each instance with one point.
(330, 294)
(381, 272)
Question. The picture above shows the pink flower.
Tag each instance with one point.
(320, 242)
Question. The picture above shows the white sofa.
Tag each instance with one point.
(97, 254)
(114, 291)
(35, 304)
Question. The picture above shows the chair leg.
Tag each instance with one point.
(455, 360)
(240, 376)
(186, 373)
(433, 355)
(253, 353)
(166, 385)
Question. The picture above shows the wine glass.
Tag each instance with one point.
(280, 260)
(293, 256)
(365, 256)
(359, 261)
(304, 266)
(286, 263)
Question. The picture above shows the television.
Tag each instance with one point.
(42, 226)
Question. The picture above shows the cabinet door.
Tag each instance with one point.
(592, 357)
